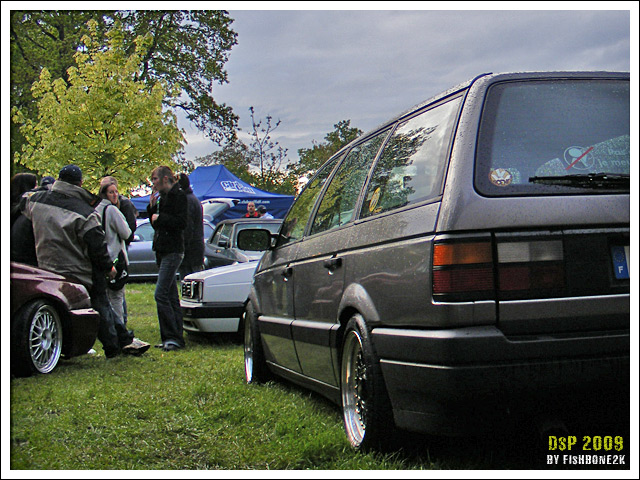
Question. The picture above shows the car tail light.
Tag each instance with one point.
(467, 271)
(463, 270)
(530, 267)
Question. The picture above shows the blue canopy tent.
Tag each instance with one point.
(218, 182)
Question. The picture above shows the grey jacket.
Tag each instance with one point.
(116, 228)
(68, 232)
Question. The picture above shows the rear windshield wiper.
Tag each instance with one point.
(620, 181)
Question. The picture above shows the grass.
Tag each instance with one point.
(191, 410)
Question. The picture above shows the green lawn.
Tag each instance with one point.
(191, 410)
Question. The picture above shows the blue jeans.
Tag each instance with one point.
(168, 299)
(112, 333)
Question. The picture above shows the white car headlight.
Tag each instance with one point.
(192, 290)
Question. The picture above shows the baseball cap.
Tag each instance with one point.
(71, 174)
(47, 181)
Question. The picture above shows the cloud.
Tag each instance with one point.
(312, 69)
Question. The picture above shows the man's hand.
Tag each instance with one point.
(153, 199)
(154, 217)
(113, 273)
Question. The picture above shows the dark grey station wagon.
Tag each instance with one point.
(466, 256)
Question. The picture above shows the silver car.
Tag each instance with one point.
(142, 258)
(467, 260)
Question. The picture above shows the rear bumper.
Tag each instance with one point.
(211, 318)
(434, 378)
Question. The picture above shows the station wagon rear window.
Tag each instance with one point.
(554, 137)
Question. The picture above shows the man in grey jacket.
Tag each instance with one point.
(70, 241)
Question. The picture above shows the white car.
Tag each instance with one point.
(213, 300)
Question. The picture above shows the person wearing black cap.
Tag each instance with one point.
(47, 181)
(70, 241)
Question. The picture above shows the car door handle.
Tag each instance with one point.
(332, 263)
(286, 273)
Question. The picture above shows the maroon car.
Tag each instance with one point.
(50, 316)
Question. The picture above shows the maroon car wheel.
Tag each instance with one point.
(36, 342)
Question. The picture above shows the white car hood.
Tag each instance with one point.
(234, 273)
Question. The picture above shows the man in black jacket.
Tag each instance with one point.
(168, 213)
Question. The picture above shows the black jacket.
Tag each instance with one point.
(130, 213)
(194, 233)
(172, 220)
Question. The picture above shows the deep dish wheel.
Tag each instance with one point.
(255, 364)
(36, 339)
(365, 406)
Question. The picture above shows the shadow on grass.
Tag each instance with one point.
(520, 442)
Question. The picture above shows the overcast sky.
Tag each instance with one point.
(313, 68)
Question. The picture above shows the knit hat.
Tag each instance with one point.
(71, 174)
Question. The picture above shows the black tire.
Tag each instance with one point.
(36, 339)
(255, 364)
(365, 405)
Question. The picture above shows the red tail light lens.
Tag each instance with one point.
(530, 277)
(465, 280)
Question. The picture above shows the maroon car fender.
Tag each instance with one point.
(80, 322)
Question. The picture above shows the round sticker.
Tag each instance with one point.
(500, 177)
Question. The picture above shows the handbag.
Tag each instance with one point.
(122, 268)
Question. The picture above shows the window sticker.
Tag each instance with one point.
(374, 200)
(501, 177)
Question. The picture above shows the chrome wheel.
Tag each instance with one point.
(255, 364)
(45, 339)
(248, 351)
(354, 392)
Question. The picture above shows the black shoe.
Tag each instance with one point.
(170, 347)
(160, 345)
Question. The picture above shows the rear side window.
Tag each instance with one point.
(546, 137)
(294, 224)
(337, 206)
(411, 166)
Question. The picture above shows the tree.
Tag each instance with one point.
(241, 160)
(268, 155)
(313, 158)
(40, 39)
(102, 118)
(188, 50)
(235, 156)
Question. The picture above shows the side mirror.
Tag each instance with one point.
(254, 239)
